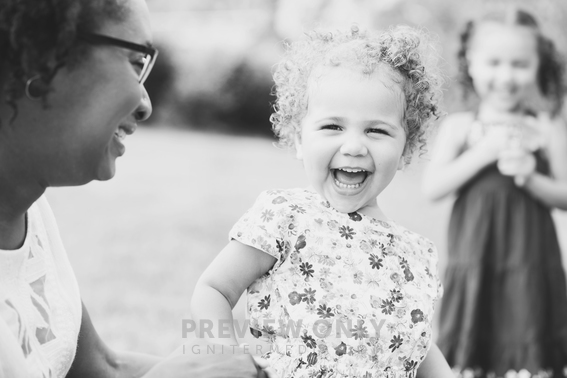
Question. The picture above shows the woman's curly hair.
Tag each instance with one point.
(38, 37)
(405, 50)
(551, 71)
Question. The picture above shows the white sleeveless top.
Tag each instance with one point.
(39, 299)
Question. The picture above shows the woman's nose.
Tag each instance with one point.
(144, 109)
(354, 146)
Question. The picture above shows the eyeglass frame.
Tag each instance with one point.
(100, 39)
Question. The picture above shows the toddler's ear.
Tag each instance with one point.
(402, 162)
(298, 147)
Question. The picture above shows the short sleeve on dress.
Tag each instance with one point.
(434, 269)
(264, 226)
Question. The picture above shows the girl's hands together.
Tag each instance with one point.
(517, 162)
(491, 145)
(509, 151)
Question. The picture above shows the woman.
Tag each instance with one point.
(71, 81)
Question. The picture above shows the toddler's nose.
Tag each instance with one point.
(353, 146)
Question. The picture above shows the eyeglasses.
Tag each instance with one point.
(150, 53)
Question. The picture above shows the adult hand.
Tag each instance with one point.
(206, 366)
(201, 358)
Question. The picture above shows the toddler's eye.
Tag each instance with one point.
(378, 131)
(330, 127)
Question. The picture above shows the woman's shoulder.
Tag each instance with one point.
(44, 209)
(45, 228)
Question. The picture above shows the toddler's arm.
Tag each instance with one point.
(450, 166)
(222, 284)
(434, 365)
(552, 190)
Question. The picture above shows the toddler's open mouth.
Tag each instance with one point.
(349, 178)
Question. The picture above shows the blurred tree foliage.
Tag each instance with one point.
(226, 48)
(247, 91)
(241, 105)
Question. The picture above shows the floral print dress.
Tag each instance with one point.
(349, 295)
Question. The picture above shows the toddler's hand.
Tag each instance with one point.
(517, 162)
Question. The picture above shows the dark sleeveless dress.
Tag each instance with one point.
(505, 301)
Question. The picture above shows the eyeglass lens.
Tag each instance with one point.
(149, 61)
(150, 53)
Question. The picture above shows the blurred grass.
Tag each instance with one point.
(139, 242)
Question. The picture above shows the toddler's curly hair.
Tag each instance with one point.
(407, 51)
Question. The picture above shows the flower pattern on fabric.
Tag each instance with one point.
(349, 295)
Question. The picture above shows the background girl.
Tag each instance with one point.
(355, 106)
(505, 306)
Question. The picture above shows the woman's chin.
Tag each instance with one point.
(107, 172)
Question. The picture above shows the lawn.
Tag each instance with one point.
(139, 242)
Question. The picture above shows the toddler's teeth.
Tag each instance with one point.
(351, 170)
(347, 186)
